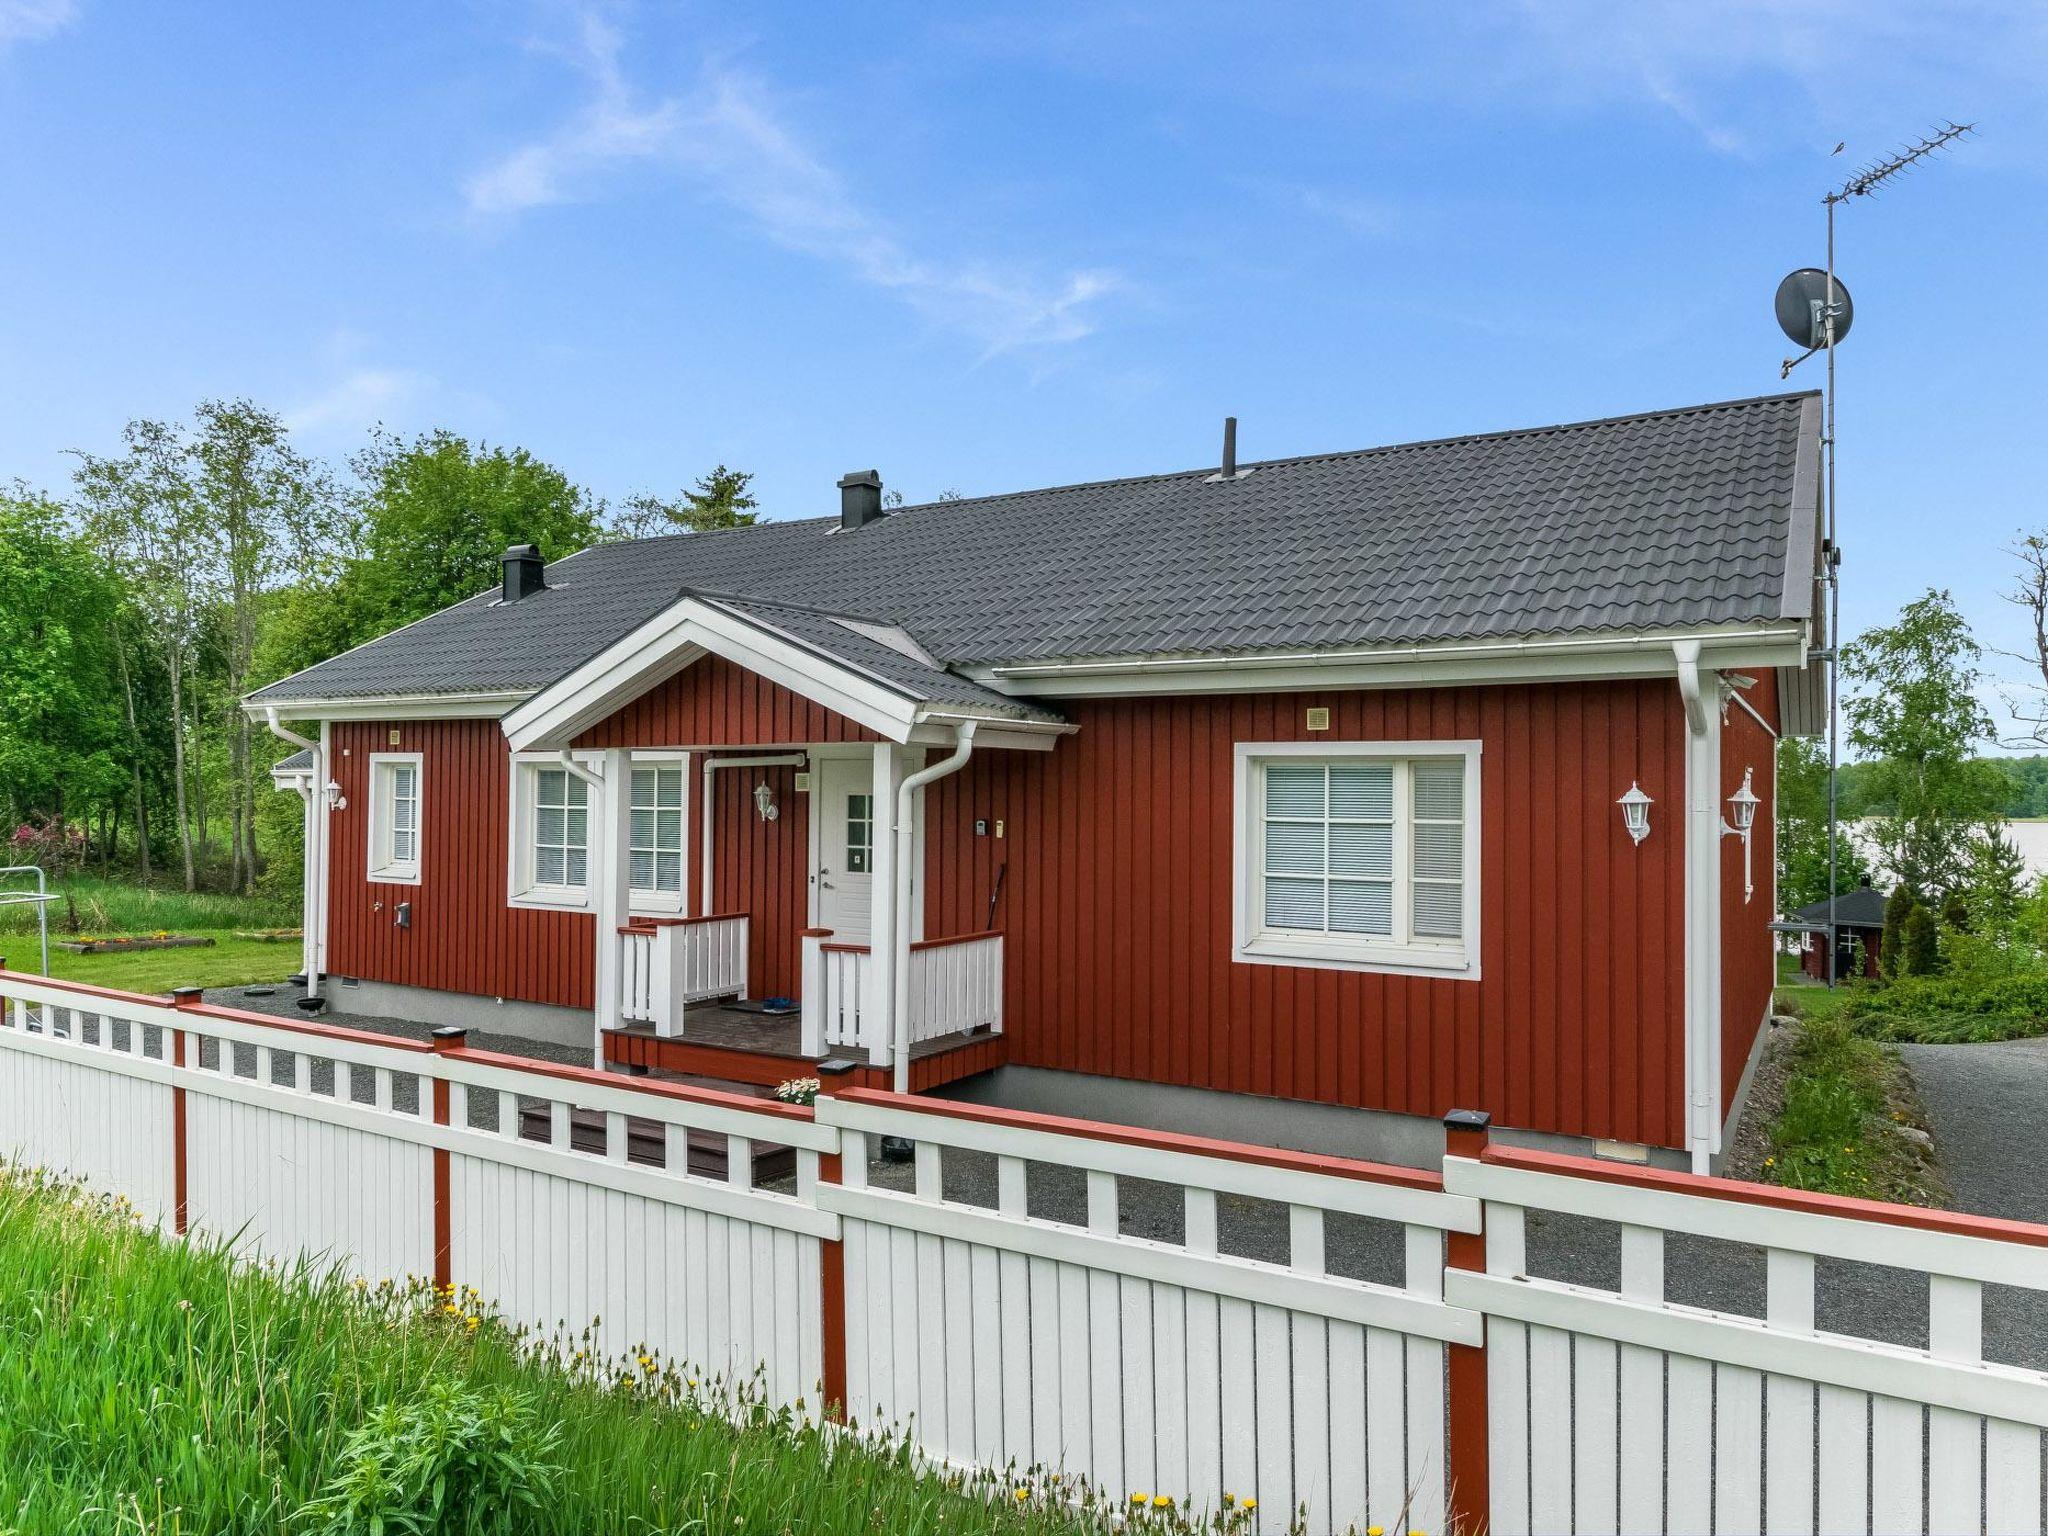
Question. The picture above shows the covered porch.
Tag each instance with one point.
(795, 747)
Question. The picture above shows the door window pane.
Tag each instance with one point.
(860, 834)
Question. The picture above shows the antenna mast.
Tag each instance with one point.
(1862, 184)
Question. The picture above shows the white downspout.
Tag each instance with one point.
(313, 895)
(1702, 910)
(902, 831)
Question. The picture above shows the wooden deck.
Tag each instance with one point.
(736, 1045)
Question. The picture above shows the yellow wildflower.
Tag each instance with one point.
(1023, 1493)
(1138, 1498)
(1375, 1530)
(1161, 1501)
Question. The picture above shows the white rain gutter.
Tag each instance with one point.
(711, 765)
(313, 898)
(906, 803)
(1702, 910)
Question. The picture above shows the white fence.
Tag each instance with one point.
(667, 963)
(1624, 1411)
(1153, 1313)
(837, 1007)
(1139, 1364)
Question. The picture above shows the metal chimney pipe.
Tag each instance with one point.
(1230, 447)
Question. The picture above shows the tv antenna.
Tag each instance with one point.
(1814, 312)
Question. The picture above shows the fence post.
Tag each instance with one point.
(832, 1076)
(449, 1037)
(181, 997)
(1467, 1480)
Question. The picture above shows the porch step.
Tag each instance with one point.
(644, 1143)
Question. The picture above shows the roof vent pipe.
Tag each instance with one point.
(860, 498)
(523, 568)
(1230, 447)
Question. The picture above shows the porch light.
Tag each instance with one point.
(764, 801)
(335, 799)
(1742, 806)
(1635, 811)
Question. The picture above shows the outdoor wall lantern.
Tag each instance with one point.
(1635, 812)
(1742, 806)
(335, 799)
(764, 801)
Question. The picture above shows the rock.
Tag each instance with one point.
(1916, 1136)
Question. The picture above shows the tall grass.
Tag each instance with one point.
(155, 1386)
(104, 908)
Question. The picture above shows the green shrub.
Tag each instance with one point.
(455, 1460)
(1891, 945)
(1920, 949)
(1834, 1099)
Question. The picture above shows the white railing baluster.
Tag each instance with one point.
(302, 1072)
(1305, 1250)
(739, 1162)
(558, 1125)
(508, 1114)
(1199, 1216)
(614, 1136)
(382, 1087)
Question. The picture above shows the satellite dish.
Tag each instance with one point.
(1802, 308)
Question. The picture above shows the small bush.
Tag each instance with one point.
(1920, 948)
(453, 1459)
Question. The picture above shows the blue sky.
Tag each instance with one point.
(986, 248)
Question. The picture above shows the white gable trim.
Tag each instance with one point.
(671, 641)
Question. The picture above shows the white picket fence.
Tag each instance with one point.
(667, 963)
(1001, 1322)
(1623, 1411)
(1139, 1364)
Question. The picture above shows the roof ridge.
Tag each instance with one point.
(1335, 455)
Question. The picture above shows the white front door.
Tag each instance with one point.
(843, 800)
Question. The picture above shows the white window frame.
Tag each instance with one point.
(1253, 943)
(383, 868)
(663, 903)
(522, 890)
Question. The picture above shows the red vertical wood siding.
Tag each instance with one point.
(1116, 893)
(1116, 898)
(714, 703)
(1749, 950)
(464, 936)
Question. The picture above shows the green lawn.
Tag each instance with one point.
(228, 962)
(157, 1387)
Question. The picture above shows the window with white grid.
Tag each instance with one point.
(561, 829)
(395, 817)
(1358, 855)
(657, 830)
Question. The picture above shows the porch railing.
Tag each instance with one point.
(667, 963)
(956, 985)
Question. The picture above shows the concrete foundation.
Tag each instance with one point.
(493, 1015)
(1377, 1135)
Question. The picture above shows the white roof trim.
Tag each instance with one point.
(671, 641)
(392, 706)
(1540, 659)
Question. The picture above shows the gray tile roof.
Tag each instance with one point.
(300, 761)
(1672, 519)
(1860, 908)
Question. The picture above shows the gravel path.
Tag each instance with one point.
(1986, 1103)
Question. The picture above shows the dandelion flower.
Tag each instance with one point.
(1162, 1501)
(1138, 1498)
(1023, 1493)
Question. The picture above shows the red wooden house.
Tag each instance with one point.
(1303, 799)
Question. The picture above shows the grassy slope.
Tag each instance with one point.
(1844, 1097)
(155, 1386)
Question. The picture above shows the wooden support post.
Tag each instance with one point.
(449, 1037)
(181, 997)
(1467, 1479)
(832, 1076)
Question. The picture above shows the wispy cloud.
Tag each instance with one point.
(28, 21)
(726, 138)
(359, 398)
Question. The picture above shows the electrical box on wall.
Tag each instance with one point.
(394, 735)
(803, 783)
(1319, 719)
(980, 827)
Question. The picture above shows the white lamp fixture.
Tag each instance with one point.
(335, 799)
(1742, 806)
(1635, 811)
(764, 801)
